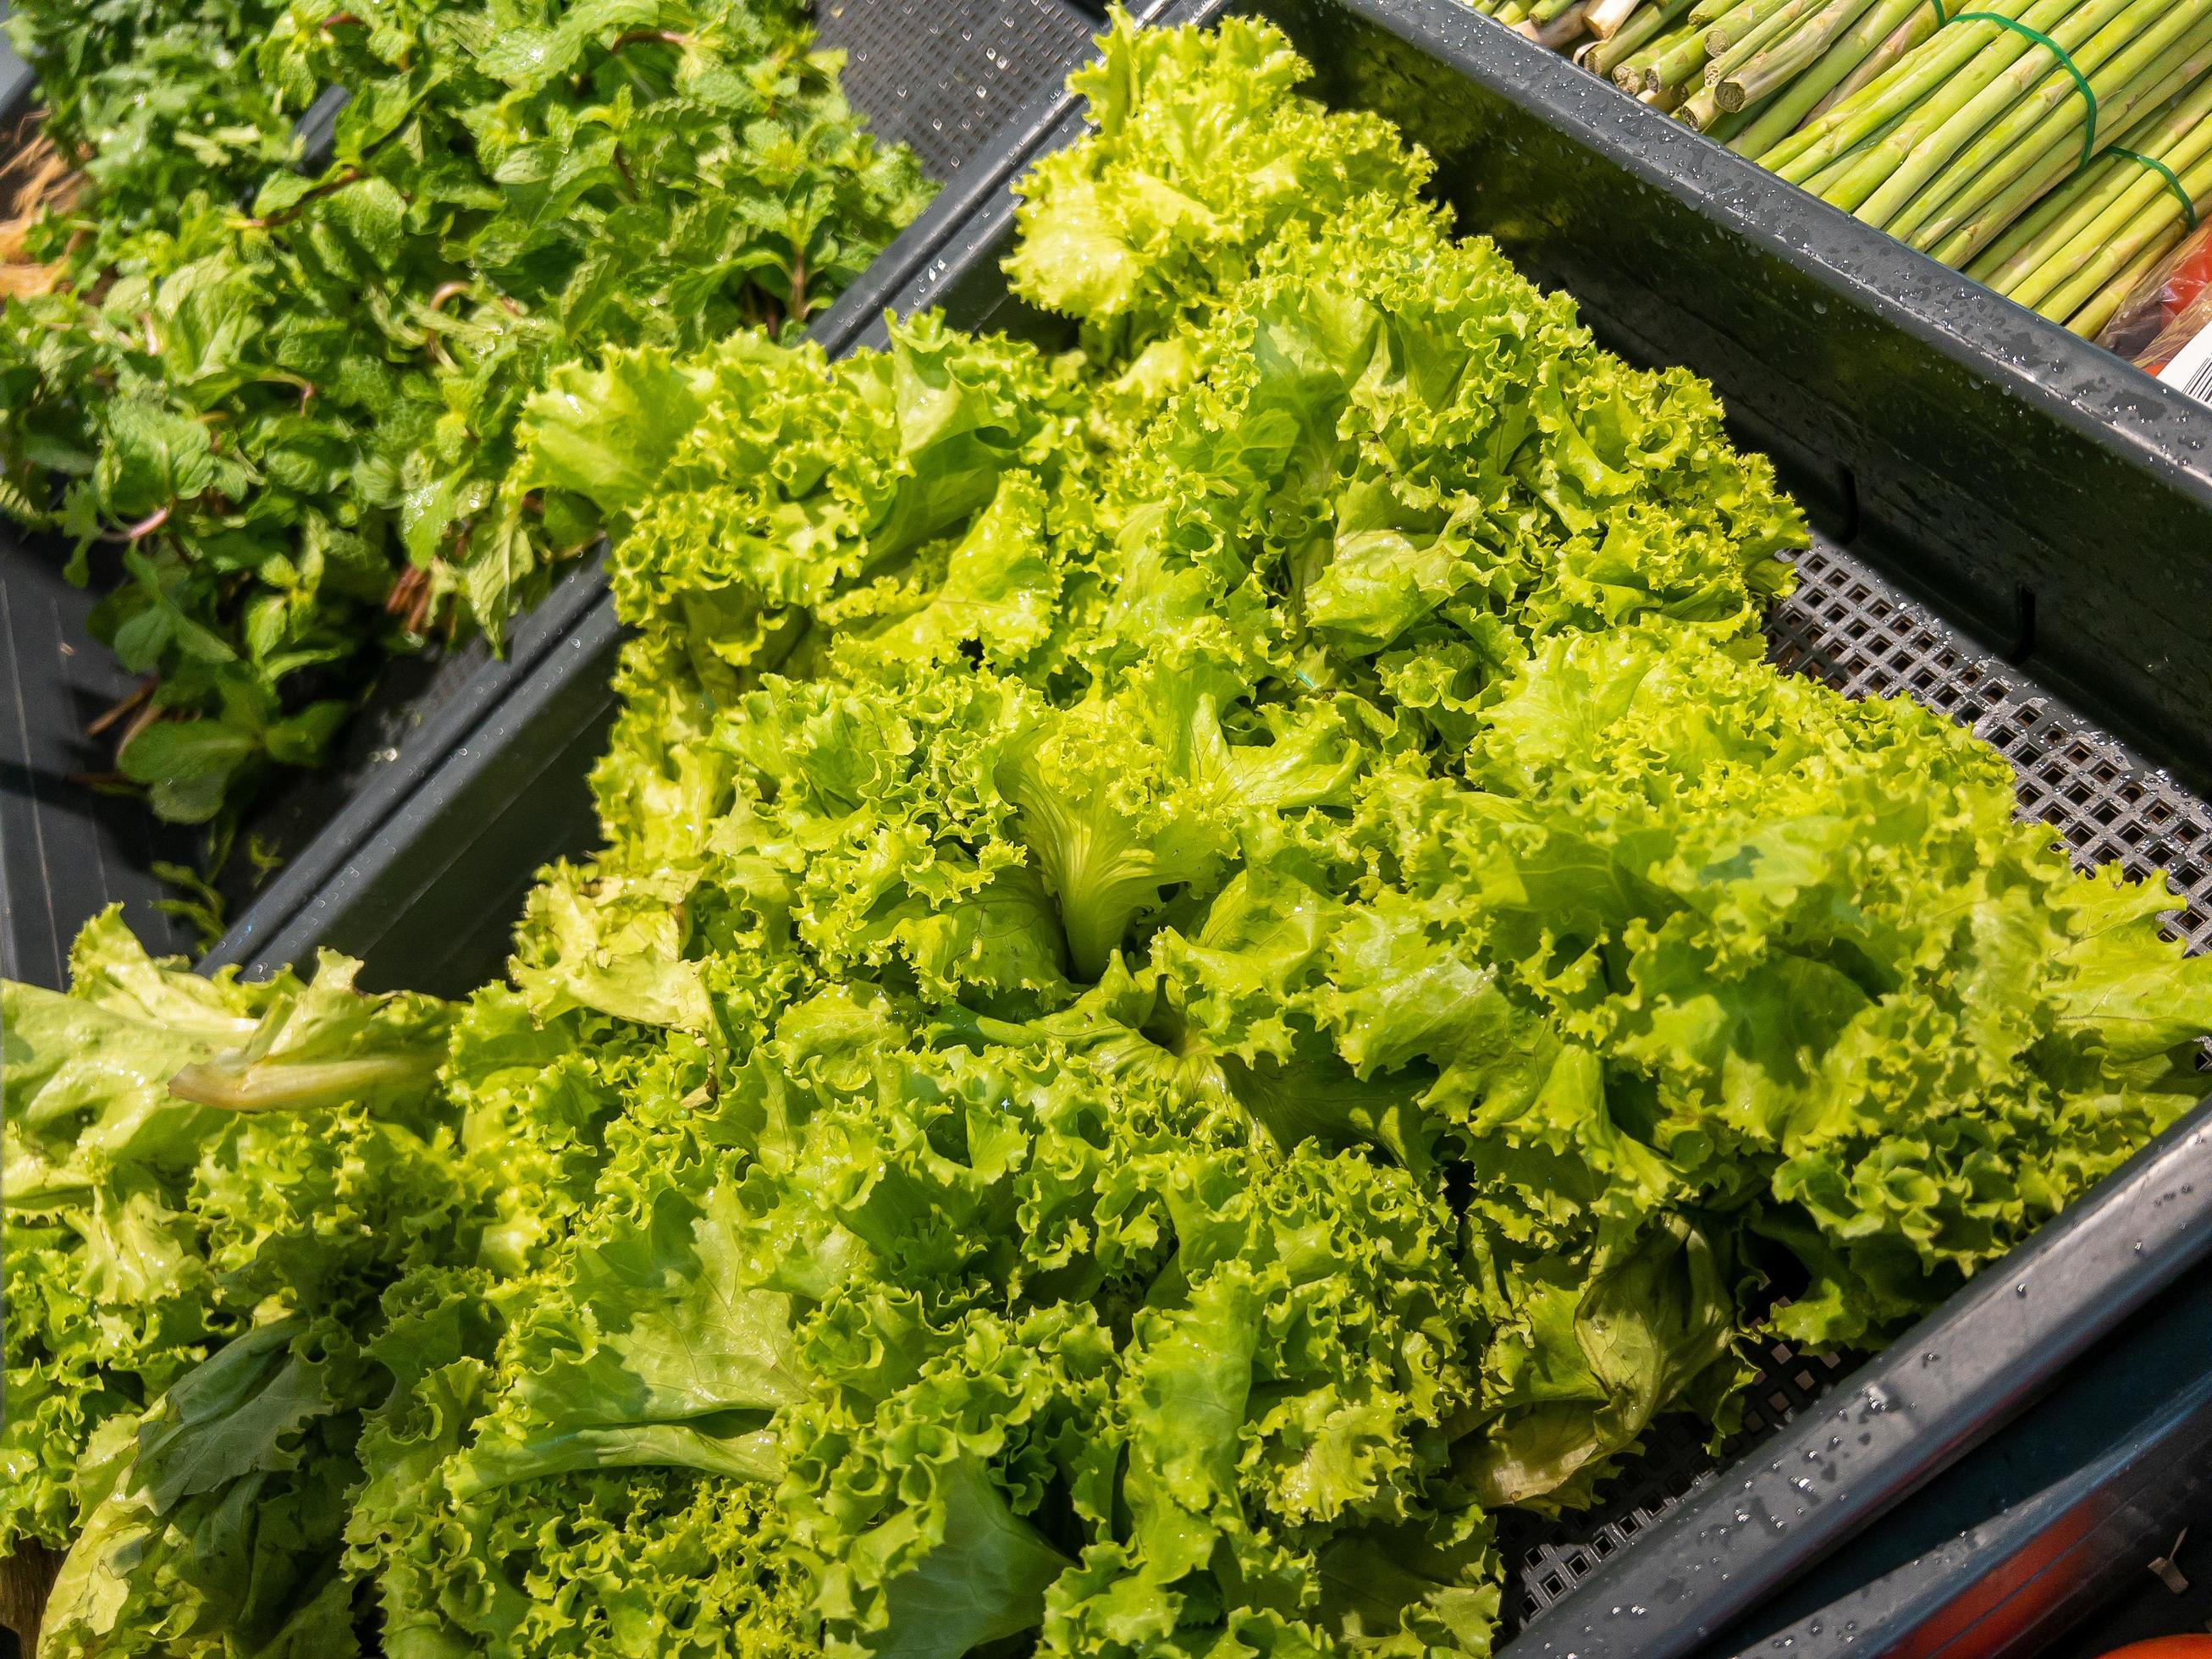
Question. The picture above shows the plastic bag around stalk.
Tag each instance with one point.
(2169, 313)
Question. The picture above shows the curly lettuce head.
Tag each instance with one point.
(188, 1158)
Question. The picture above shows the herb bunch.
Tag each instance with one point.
(287, 426)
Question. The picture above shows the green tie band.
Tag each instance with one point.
(2172, 182)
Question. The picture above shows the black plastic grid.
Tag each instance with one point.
(1848, 627)
(943, 75)
(1544, 1559)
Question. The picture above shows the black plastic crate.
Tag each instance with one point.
(964, 82)
(428, 896)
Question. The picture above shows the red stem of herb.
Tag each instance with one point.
(410, 582)
(107, 719)
(145, 717)
(145, 528)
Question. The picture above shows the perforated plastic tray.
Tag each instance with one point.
(1863, 635)
(943, 75)
(1544, 1559)
(961, 80)
(2044, 1543)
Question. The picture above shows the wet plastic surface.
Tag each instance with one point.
(943, 77)
(1898, 1421)
(2047, 1533)
(965, 82)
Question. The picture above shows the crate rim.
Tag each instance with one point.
(1936, 304)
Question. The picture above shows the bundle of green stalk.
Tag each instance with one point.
(1944, 125)
(2084, 248)
(284, 403)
